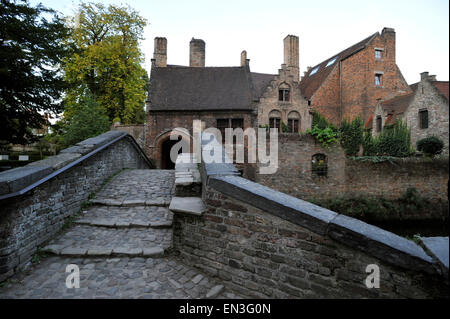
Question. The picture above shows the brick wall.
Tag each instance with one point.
(353, 86)
(349, 177)
(160, 124)
(28, 220)
(359, 93)
(266, 244)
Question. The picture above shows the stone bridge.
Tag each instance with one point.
(201, 231)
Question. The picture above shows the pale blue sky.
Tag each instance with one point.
(324, 27)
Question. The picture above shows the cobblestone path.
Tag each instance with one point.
(122, 247)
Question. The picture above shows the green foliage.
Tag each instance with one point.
(38, 256)
(105, 61)
(351, 136)
(392, 141)
(368, 143)
(31, 48)
(87, 120)
(284, 127)
(430, 146)
(325, 137)
(321, 122)
(323, 131)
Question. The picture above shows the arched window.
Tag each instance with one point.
(319, 165)
(293, 122)
(284, 92)
(275, 120)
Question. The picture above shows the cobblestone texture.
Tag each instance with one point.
(145, 278)
(100, 232)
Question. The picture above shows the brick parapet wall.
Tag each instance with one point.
(347, 177)
(266, 244)
(28, 220)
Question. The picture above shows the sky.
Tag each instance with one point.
(324, 28)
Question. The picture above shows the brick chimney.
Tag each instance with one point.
(197, 53)
(291, 55)
(243, 58)
(160, 52)
(388, 34)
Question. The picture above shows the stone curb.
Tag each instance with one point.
(119, 224)
(105, 252)
(134, 203)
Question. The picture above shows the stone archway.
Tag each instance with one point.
(163, 147)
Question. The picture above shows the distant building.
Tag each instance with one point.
(425, 110)
(350, 82)
(222, 97)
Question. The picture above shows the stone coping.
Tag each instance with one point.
(17, 181)
(352, 232)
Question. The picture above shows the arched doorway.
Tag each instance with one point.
(166, 146)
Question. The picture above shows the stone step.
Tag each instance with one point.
(60, 250)
(165, 201)
(111, 216)
(187, 205)
(100, 241)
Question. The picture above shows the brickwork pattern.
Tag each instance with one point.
(348, 177)
(263, 256)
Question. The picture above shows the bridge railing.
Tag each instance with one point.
(36, 199)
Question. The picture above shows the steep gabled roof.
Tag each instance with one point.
(310, 83)
(398, 105)
(260, 82)
(442, 87)
(180, 88)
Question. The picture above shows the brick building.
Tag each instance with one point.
(350, 82)
(220, 96)
(425, 110)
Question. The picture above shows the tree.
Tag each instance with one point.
(30, 52)
(106, 61)
(87, 120)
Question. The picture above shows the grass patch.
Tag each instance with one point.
(38, 256)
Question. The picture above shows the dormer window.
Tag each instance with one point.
(331, 62)
(284, 93)
(314, 71)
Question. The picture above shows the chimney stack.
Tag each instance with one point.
(197, 53)
(160, 52)
(243, 57)
(291, 55)
(423, 76)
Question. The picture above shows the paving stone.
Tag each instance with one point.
(74, 251)
(127, 251)
(99, 251)
(216, 290)
(153, 252)
(53, 249)
(197, 279)
(175, 284)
